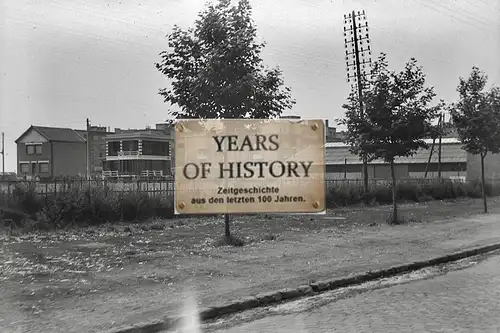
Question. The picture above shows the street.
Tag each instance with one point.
(466, 300)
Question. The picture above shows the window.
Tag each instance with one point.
(25, 168)
(30, 150)
(44, 167)
(38, 149)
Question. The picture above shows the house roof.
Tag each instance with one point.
(59, 134)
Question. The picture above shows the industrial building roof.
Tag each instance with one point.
(428, 141)
(451, 152)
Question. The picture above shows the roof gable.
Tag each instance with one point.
(55, 134)
(32, 136)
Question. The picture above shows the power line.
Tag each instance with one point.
(452, 16)
(465, 13)
(489, 4)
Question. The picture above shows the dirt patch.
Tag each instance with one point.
(86, 280)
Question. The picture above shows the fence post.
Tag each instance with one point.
(8, 193)
(89, 191)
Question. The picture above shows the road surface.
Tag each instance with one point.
(466, 300)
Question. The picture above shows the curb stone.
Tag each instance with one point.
(269, 298)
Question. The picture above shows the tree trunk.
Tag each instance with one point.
(226, 224)
(394, 189)
(483, 185)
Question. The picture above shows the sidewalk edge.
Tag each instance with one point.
(305, 290)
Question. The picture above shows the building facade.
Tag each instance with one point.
(331, 134)
(139, 152)
(96, 149)
(491, 167)
(51, 153)
(340, 163)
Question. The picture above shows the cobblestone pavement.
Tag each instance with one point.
(461, 301)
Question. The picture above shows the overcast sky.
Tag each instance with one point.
(63, 61)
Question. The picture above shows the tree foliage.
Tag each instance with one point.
(397, 115)
(476, 115)
(216, 69)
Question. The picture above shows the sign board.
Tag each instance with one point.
(249, 166)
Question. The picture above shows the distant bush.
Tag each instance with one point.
(346, 193)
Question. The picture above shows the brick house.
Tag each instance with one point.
(51, 152)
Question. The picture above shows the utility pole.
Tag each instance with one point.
(430, 156)
(440, 124)
(3, 155)
(358, 60)
(87, 169)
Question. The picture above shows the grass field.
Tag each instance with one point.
(90, 277)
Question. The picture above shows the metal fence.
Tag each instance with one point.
(163, 187)
(166, 187)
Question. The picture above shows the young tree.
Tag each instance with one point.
(216, 70)
(477, 118)
(397, 117)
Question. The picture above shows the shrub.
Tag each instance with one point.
(345, 194)
(473, 189)
(76, 205)
(25, 198)
(351, 192)
(408, 191)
